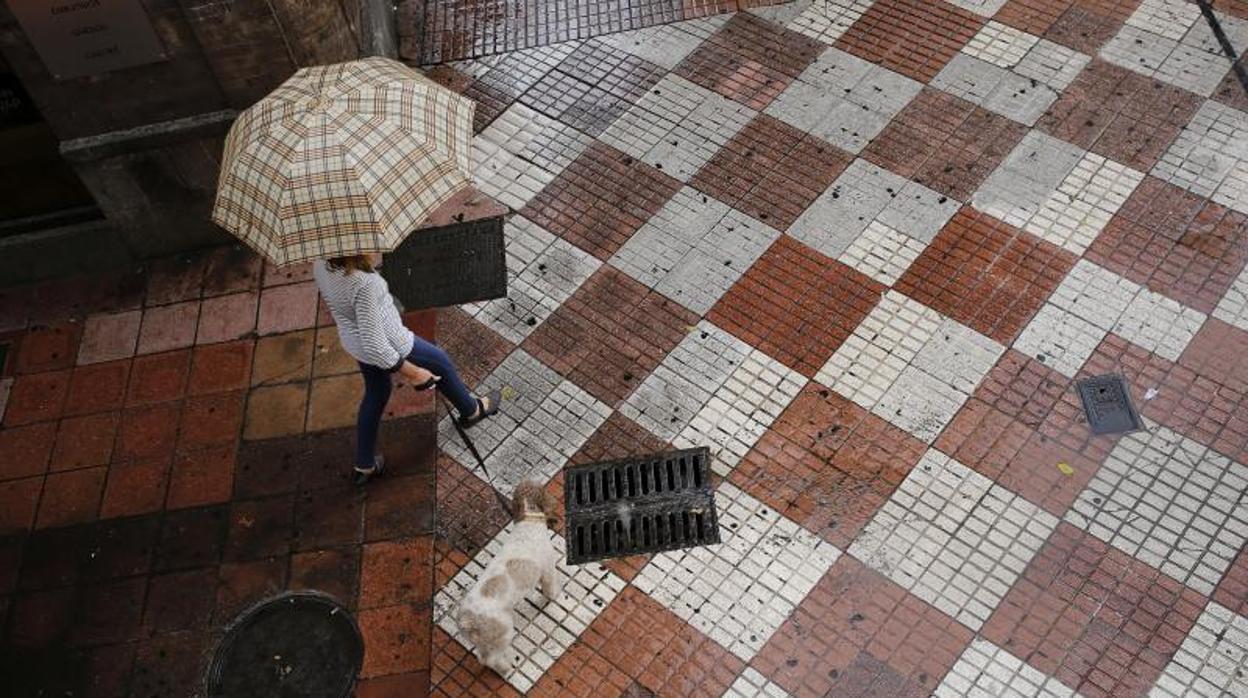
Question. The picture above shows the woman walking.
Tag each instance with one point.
(374, 335)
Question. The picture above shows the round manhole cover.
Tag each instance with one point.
(298, 644)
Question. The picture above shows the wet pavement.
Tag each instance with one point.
(864, 250)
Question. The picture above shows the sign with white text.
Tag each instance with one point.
(86, 37)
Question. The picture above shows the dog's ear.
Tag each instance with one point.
(550, 507)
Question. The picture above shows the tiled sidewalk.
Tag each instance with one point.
(175, 446)
(863, 249)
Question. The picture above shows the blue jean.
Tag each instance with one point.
(377, 386)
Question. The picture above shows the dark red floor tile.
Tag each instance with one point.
(241, 585)
(82, 442)
(158, 377)
(97, 388)
(456, 671)
(147, 432)
(1175, 243)
(55, 557)
(1119, 114)
(1083, 25)
(828, 464)
(71, 497)
(601, 199)
(111, 612)
(210, 420)
(397, 571)
(166, 664)
(329, 517)
(135, 487)
(945, 143)
(400, 507)
(1218, 349)
(41, 618)
(219, 368)
(191, 538)
(200, 477)
(19, 499)
(771, 171)
(180, 600)
(334, 571)
(812, 304)
(410, 685)
(912, 37)
(27, 450)
(10, 561)
(646, 325)
(108, 669)
(50, 348)
(582, 673)
(120, 548)
(396, 640)
(1099, 620)
(986, 274)
(175, 279)
(468, 517)
(260, 528)
(37, 397)
(857, 626)
(476, 349)
(749, 60)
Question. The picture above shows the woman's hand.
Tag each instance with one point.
(417, 375)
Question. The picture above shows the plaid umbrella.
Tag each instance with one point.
(342, 159)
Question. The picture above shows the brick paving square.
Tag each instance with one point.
(600, 200)
(814, 304)
(856, 627)
(986, 274)
(1088, 614)
(1175, 243)
(771, 171)
(1083, 25)
(610, 303)
(1119, 114)
(749, 60)
(944, 143)
(914, 38)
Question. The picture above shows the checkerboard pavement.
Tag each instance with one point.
(863, 249)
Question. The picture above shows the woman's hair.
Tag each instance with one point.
(350, 263)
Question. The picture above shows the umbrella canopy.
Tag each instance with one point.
(342, 159)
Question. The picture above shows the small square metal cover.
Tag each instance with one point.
(644, 504)
(1107, 403)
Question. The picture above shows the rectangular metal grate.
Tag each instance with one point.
(645, 504)
(1107, 403)
(449, 265)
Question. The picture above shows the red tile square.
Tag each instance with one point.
(110, 337)
(397, 572)
(1100, 621)
(396, 640)
(219, 368)
(287, 308)
(477, 349)
(583, 673)
(211, 419)
(261, 528)
(1232, 592)
(71, 497)
(913, 37)
(180, 600)
(224, 318)
(244, 584)
(456, 671)
(749, 60)
(82, 442)
(48, 348)
(645, 326)
(828, 464)
(205, 476)
(657, 649)
(468, 518)
(857, 627)
(332, 571)
(97, 388)
(1083, 25)
(27, 449)
(147, 432)
(945, 143)
(986, 274)
(812, 304)
(158, 378)
(1218, 349)
(37, 397)
(168, 327)
(135, 487)
(1119, 114)
(771, 171)
(601, 199)
(1176, 243)
(19, 500)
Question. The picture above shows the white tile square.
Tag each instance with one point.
(1213, 659)
(1084, 202)
(986, 671)
(1027, 178)
(741, 410)
(953, 538)
(742, 611)
(1233, 308)
(1000, 44)
(1210, 156)
(1159, 324)
(1171, 41)
(919, 403)
(544, 630)
(654, 115)
(983, 8)
(1059, 339)
(666, 44)
(751, 684)
(1169, 501)
(997, 89)
(882, 253)
(522, 151)
(827, 20)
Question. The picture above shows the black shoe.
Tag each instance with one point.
(494, 397)
(362, 474)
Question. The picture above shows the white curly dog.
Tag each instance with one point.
(527, 560)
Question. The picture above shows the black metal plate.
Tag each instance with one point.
(298, 644)
(1107, 403)
(645, 504)
(449, 265)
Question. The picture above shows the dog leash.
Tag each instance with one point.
(472, 448)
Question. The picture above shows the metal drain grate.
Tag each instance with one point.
(646, 504)
(1107, 403)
